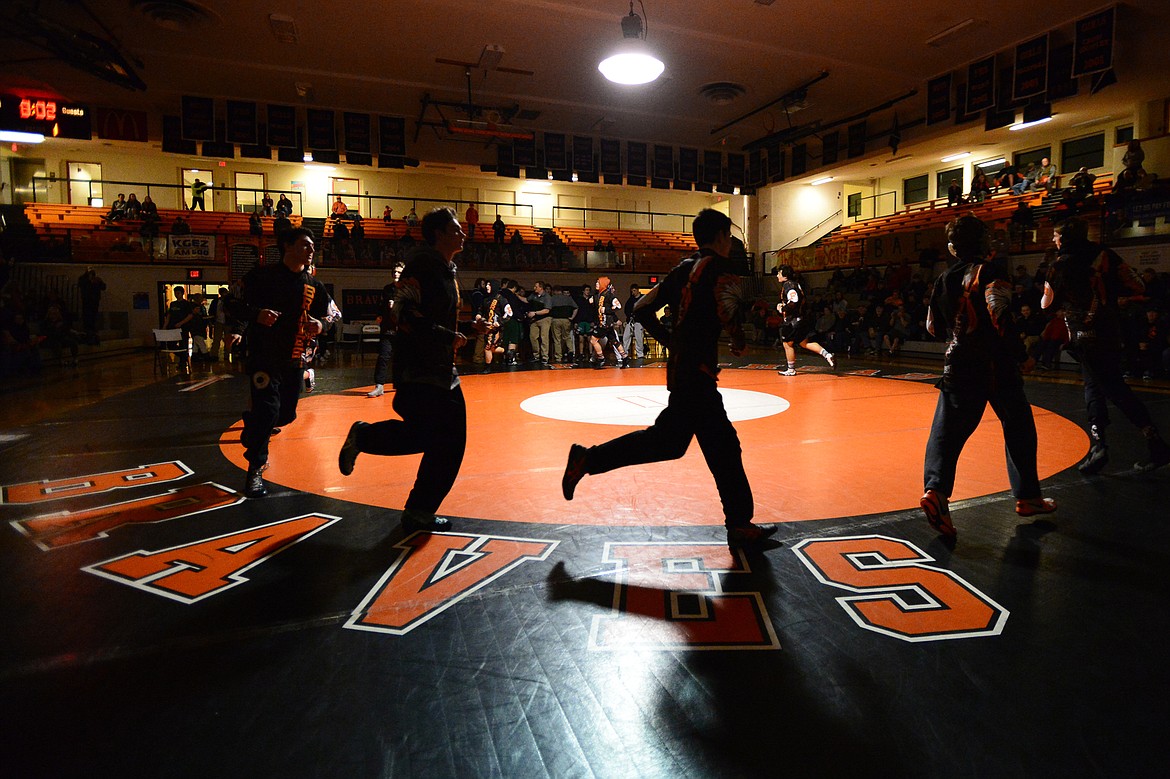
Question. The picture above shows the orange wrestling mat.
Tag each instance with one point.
(816, 446)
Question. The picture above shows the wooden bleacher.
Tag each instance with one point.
(93, 239)
(936, 213)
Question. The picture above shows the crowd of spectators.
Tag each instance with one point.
(868, 312)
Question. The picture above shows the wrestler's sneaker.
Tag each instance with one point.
(254, 482)
(830, 359)
(310, 380)
(746, 535)
(938, 513)
(787, 372)
(1159, 456)
(349, 450)
(376, 392)
(1030, 507)
(413, 520)
(574, 470)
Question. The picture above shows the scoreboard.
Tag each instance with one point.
(50, 117)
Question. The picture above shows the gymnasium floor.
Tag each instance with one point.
(160, 625)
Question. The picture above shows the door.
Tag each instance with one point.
(29, 183)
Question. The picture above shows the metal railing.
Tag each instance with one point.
(634, 220)
(180, 191)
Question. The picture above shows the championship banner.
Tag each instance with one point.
(1031, 72)
(980, 85)
(938, 99)
(192, 248)
(1093, 43)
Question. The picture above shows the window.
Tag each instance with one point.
(1082, 153)
(249, 191)
(854, 205)
(1024, 159)
(943, 181)
(1123, 135)
(916, 190)
(992, 167)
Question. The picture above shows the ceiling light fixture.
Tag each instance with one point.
(991, 163)
(19, 137)
(632, 62)
(822, 180)
(958, 156)
(1025, 125)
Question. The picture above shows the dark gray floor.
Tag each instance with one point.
(514, 677)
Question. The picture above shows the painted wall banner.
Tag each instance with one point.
(191, 247)
(1031, 76)
(361, 304)
(901, 246)
(1093, 43)
(242, 258)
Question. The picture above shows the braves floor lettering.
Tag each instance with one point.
(434, 572)
(898, 594)
(670, 596)
(192, 572)
(94, 483)
(57, 530)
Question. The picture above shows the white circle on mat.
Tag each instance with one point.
(639, 405)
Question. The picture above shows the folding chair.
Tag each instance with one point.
(168, 342)
(371, 334)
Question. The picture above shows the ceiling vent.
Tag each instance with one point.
(176, 15)
(722, 92)
(284, 28)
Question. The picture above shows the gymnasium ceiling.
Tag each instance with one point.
(381, 58)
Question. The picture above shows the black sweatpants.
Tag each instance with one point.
(955, 418)
(434, 422)
(690, 413)
(385, 351)
(1104, 381)
(274, 404)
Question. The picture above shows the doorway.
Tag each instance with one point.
(187, 178)
(85, 183)
(29, 182)
(348, 187)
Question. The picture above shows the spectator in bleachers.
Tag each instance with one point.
(598, 246)
(133, 207)
(149, 211)
(255, 226)
(826, 329)
(284, 205)
(1046, 175)
(499, 229)
(1027, 182)
(281, 224)
(1023, 220)
(897, 331)
(1053, 339)
(387, 215)
(1081, 184)
(954, 194)
(180, 226)
(412, 218)
(357, 237)
(117, 209)
(340, 239)
(406, 241)
(340, 209)
(266, 205)
(980, 187)
(1007, 177)
(1029, 327)
(471, 219)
